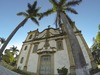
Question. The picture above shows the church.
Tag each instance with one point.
(42, 53)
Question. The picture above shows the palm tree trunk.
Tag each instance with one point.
(10, 36)
(79, 59)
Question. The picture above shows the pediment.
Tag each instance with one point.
(50, 32)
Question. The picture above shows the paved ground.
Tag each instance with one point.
(97, 73)
(4, 71)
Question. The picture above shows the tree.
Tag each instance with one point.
(96, 52)
(31, 13)
(8, 56)
(96, 48)
(2, 40)
(60, 8)
(98, 36)
(14, 50)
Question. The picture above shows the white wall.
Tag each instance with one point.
(33, 62)
(61, 59)
(23, 54)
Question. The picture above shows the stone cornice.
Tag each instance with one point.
(58, 35)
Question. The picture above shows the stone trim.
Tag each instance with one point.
(19, 55)
(58, 39)
(36, 43)
(52, 62)
(70, 55)
(72, 70)
(58, 35)
(93, 64)
(26, 63)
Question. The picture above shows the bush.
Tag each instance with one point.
(62, 71)
(93, 71)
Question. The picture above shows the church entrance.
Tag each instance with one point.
(45, 65)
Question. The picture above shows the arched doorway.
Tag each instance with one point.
(45, 65)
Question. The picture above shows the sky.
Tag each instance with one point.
(87, 20)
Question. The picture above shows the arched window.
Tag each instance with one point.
(30, 36)
(25, 48)
(21, 61)
(59, 44)
(35, 48)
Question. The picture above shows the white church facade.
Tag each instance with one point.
(42, 53)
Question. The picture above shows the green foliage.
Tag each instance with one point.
(96, 48)
(98, 38)
(96, 51)
(14, 50)
(61, 6)
(96, 55)
(63, 71)
(93, 71)
(98, 35)
(31, 13)
(8, 57)
(99, 26)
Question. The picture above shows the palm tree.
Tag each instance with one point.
(2, 40)
(60, 7)
(31, 13)
(14, 50)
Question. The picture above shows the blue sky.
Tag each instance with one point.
(87, 20)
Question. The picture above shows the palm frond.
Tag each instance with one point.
(62, 2)
(30, 10)
(34, 5)
(35, 21)
(73, 3)
(54, 2)
(29, 6)
(36, 10)
(38, 14)
(99, 26)
(71, 10)
(2, 40)
(22, 13)
(46, 13)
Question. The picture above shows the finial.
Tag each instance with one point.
(37, 29)
(48, 26)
